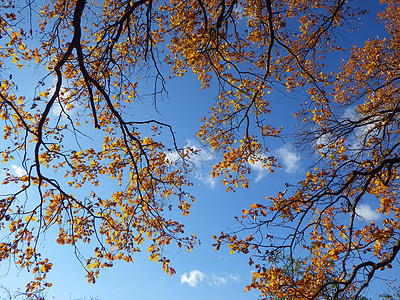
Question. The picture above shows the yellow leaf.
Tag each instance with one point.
(30, 218)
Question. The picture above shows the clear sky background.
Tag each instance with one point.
(202, 273)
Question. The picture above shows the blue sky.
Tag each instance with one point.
(203, 273)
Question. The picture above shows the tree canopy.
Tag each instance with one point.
(94, 58)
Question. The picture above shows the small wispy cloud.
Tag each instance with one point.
(172, 156)
(18, 171)
(58, 109)
(200, 158)
(290, 159)
(365, 212)
(363, 131)
(62, 106)
(234, 278)
(217, 280)
(239, 10)
(207, 180)
(350, 113)
(193, 278)
(259, 168)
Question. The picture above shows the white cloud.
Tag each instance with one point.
(361, 132)
(239, 10)
(364, 131)
(193, 279)
(364, 211)
(207, 180)
(200, 158)
(18, 171)
(172, 157)
(234, 278)
(350, 113)
(61, 105)
(56, 109)
(322, 141)
(291, 160)
(260, 169)
(216, 280)
(196, 276)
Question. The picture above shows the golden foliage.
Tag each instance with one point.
(97, 54)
